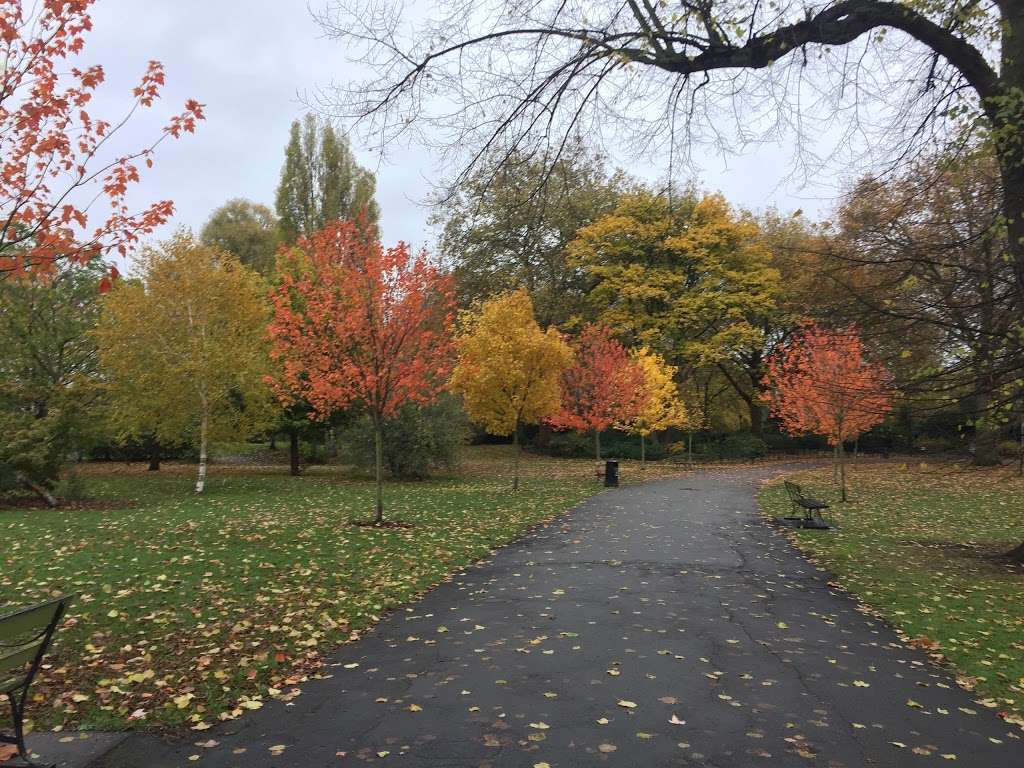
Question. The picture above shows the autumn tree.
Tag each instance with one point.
(687, 277)
(507, 224)
(183, 349)
(603, 387)
(662, 407)
(321, 181)
(509, 370)
(356, 324)
(920, 261)
(59, 167)
(470, 75)
(245, 229)
(822, 384)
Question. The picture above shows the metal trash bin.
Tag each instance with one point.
(611, 474)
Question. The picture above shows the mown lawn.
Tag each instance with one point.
(193, 609)
(920, 544)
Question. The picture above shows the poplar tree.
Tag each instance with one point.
(321, 181)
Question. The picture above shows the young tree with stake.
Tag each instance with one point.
(509, 369)
(821, 384)
(662, 407)
(358, 324)
(603, 387)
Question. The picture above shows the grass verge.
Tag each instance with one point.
(921, 545)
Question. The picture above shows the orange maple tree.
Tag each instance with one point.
(821, 383)
(57, 163)
(603, 387)
(356, 324)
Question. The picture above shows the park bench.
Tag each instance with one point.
(808, 510)
(25, 637)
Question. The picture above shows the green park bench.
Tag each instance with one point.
(25, 636)
(808, 510)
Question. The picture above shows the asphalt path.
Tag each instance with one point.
(662, 624)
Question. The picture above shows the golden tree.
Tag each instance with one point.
(183, 348)
(509, 370)
(663, 408)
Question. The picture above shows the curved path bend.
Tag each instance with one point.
(663, 624)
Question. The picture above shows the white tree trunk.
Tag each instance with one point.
(203, 426)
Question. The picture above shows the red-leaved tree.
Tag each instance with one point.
(821, 383)
(356, 324)
(58, 167)
(604, 386)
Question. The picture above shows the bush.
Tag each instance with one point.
(741, 445)
(70, 487)
(628, 447)
(1009, 449)
(569, 445)
(937, 444)
(416, 442)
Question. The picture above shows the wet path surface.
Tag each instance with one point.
(655, 625)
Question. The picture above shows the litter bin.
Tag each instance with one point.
(611, 474)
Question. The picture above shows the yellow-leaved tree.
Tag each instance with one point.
(183, 347)
(663, 407)
(509, 369)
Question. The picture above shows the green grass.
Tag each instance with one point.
(192, 609)
(921, 545)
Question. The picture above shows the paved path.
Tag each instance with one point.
(655, 625)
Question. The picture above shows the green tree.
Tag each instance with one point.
(321, 181)
(245, 229)
(507, 225)
(183, 349)
(49, 404)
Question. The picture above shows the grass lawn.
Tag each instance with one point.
(920, 544)
(192, 609)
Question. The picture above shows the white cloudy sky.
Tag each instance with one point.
(249, 62)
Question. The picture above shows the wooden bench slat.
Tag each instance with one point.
(36, 619)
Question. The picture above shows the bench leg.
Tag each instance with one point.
(17, 714)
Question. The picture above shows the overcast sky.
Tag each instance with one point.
(250, 61)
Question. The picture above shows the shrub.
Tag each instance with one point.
(741, 445)
(569, 445)
(936, 444)
(70, 487)
(419, 440)
(1009, 449)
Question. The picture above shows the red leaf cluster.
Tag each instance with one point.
(821, 383)
(355, 323)
(604, 386)
(55, 157)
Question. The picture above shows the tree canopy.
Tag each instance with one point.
(246, 230)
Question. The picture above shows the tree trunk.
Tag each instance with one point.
(273, 441)
(40, 491)
(293, 453)
(756, 417)
(203, 428)
(643, 452)
(835, 464)
(515, 443)
(842, 471)
(689, 449)
(378, 444)
(154, 456)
